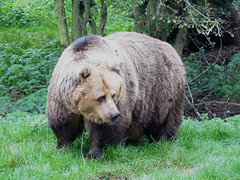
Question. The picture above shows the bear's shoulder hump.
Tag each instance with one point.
(84, 43)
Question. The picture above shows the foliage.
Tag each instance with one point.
(119, 19)
(28, 53)
(21, 14)
(237, 4)
(225, 80)
(164, 19)
(204, 150)
(118, 16)
(220, 80)
(34, 103)
(23, 72)
(29, 50)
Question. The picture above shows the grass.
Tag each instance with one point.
(209, 149)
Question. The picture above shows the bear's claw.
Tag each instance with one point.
(94, 154)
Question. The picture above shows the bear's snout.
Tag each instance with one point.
(114, 116)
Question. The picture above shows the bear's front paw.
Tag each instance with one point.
(94, 154)
(61, 143)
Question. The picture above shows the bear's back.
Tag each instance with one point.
(160, 54)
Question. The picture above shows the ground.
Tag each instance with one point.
(215, 108)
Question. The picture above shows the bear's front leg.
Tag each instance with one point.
(95, 151)
(101, 135)
(67, 126)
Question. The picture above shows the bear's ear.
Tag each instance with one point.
(114, 64)
(84, 73)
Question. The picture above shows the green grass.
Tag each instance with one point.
(203, 150)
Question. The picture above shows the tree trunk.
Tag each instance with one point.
(139, 16)
(162, 32)
(87, 15)
(92, 23)
(152, 9)
(147, 18)
(76, 21)
(155, 11)
(103, 17)
(62, 24)
(181, 39)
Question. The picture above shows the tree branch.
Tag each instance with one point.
(206, 70)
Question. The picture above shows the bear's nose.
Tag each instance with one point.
(114, 116)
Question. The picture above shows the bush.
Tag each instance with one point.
(34, 103)
(25, 14)
(23, 74)
(225, 80)
(220, 80)
(22, 71)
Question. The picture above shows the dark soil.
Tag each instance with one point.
(214, 108)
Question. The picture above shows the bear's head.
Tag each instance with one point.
(95, 94)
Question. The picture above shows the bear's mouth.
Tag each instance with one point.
(110, 123)
(101, 121)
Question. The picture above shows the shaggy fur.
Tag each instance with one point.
(141, 77)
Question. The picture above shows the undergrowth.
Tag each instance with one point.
(24, 13)
(208, 149)
(29, 50)
(24, 76)
(220, 80)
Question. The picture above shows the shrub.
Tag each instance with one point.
(25, 14)
(22, 71)
(220, 80)
(23, 74)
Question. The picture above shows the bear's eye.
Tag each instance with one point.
(101, 99)
(113, 96)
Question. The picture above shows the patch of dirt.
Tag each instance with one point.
(214, 108)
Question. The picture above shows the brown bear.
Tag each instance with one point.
(119, 87)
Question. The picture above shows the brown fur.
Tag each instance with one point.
(141, 77)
